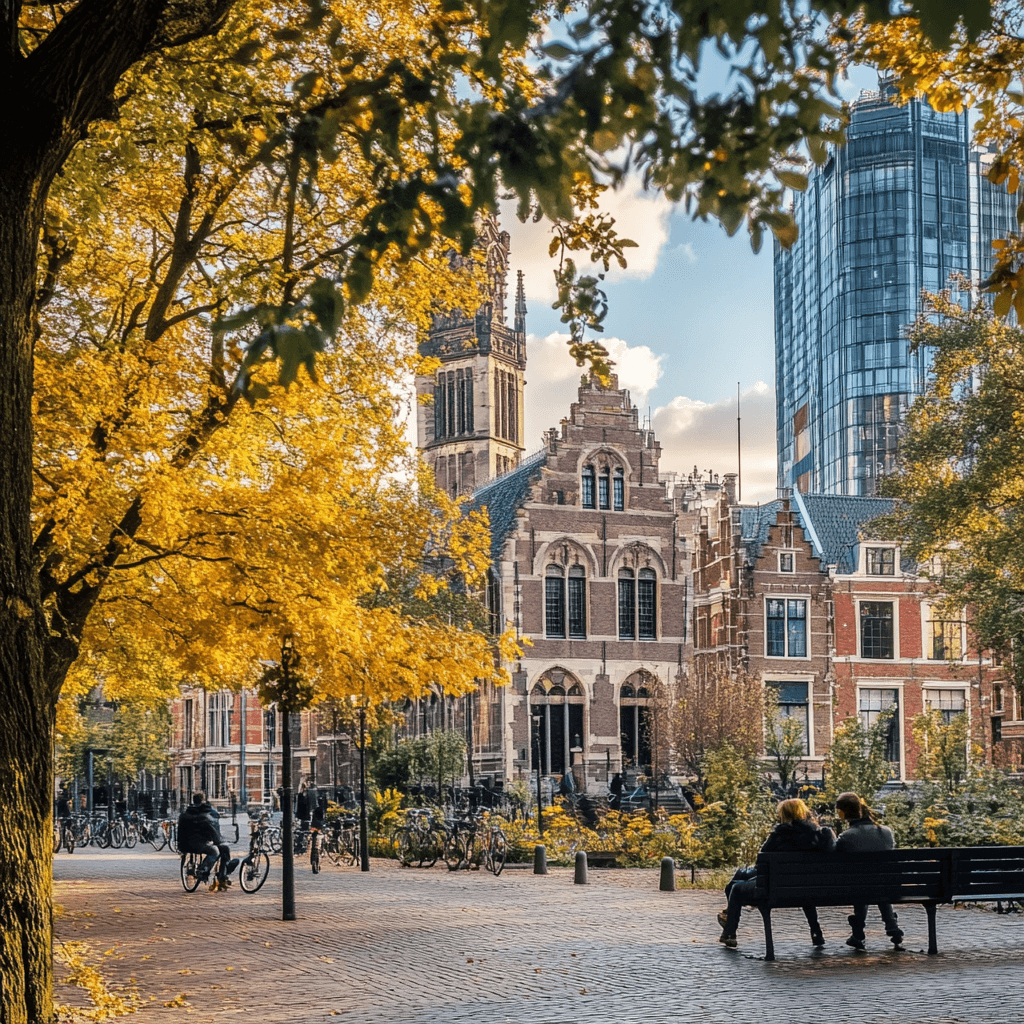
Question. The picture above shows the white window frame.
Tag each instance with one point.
(892, 599)
(934, 685)
(881, 547)
(901, 705)
(806, 656)
(928, 612)
(791, 555)
(774, 678)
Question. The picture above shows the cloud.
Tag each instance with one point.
(639, 215)
(553, 379)
(703, 434)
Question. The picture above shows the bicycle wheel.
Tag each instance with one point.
(252, 872)
(332, 848)
(499, 851)
(407, 851)
(353, 850)
(274, 838)
(190, 871)
(131, 836)
(430, 848)
(57, 839)
(69, 840)
(314, 855)
(454, 853)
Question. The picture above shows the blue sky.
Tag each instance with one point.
(690, 318)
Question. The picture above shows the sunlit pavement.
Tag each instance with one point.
(408, 945)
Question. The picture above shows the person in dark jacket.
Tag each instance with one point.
(863, 835)
(198, 833)
(796, 831)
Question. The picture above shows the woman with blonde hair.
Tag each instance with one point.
(797, 830)
(863, 835)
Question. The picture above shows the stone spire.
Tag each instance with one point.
(520, 321)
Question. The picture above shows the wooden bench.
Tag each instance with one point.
(603, 858)
(928, 877)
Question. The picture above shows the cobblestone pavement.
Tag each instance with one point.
(433, 946)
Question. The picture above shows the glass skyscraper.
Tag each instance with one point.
(900, 207)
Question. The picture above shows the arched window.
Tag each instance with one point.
(440, 405)
(627, 605)
(556, 726)
(647, 605)
(588, 487)
(554, 601)
(638, 605)
(557, 602)
(603, 489)
(618, 491)
(636, 726)
(577, 602)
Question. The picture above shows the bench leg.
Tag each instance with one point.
(933, 946)
(769, 946)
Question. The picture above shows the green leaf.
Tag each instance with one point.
(793, 180)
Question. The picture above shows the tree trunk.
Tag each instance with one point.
(26, 703)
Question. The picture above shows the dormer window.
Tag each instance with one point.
(881, 561)
(588, 487)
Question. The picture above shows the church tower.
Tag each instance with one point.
(473, 431)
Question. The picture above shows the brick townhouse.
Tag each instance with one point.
(798, 593)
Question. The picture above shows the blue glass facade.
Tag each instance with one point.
(898, 209)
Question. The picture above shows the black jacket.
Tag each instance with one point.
(197, 828)
(862, 835)
(795, 836)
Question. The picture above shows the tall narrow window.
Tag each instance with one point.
(602, 489)
(785, 628)
(577, 602)
(469, 401)
(647, 604)
(792, 703)
(439, 407)
(588, 486)
(876, 629)
(618, 491)
(872, 704)
(554, 602)
(513, 410)
(460, 387)
(451, 404)
(497, 405)
(627, 605)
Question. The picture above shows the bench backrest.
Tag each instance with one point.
(986, 872)
(888, 876)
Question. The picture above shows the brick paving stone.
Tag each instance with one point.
(433, 946)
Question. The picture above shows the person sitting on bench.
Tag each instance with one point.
(797, 830)
(862, 835)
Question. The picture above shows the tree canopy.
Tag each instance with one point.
(202, 199)
(962, 496)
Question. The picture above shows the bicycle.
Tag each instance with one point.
(418, 841)
(63, 835)
(492, 849)
(314, 850)
(340, 845)
(254, 868)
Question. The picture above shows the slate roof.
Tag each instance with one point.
(754, 524)
(839, 520)
(503, 497)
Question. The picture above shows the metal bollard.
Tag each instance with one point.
(540, 860)
(668, 875)
(581, 868)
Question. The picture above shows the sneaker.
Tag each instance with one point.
(232, 864)
(215, 885)
(729, 941)
(723, 918)
(855, 942)
(225, 883)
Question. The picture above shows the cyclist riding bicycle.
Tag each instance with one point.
(198, 833)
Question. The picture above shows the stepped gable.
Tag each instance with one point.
(840, 521)
(755, 522)
(503, 498)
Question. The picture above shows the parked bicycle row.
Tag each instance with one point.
(467, 841)
(78, 830)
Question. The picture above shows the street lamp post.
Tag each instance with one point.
(289, 659)
(537, 720)
(364, 834)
